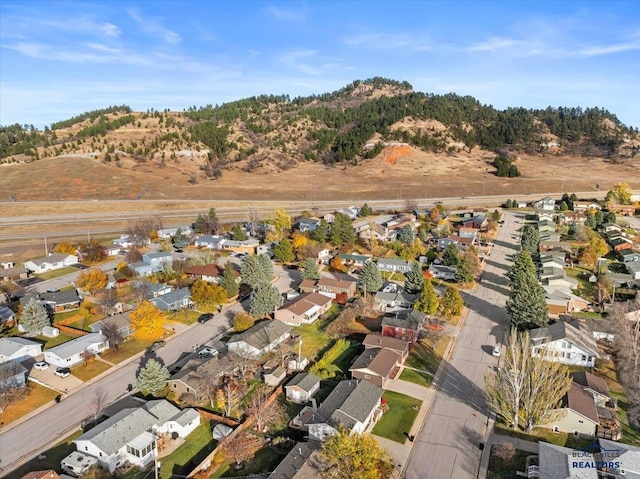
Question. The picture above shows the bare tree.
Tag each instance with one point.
(133, 255)
(140, 230)
(243, 364)
(627, 353)
(342, 326)
(253, 218)
(141, 291)
(238, 447)
(410, 205)
(98, 403)
(111, 331)
(209, 386)
(87, 355)
(262, 411)
(108, 300)
(10, 390)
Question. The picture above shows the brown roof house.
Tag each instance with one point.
(304, 309)
(337, 286)
(211, 273)
(48, 474)
(400, 346)
(376, 365)
(577, 415)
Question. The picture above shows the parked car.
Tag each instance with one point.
(207, 352)
(496, 351)
(156, 345)
(205, 317)
(41, 366)
(62, 372)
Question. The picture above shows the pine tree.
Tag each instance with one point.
(342, 232)
(405, 235)
(34, 317)
(451, 255)
(451, 303)
(526, 304)
(180, 240)
(266, 266)
(464, 271)
(252, 271)
(238, 233)
(284, 251)
(370, 280)
(531, 239)
(322, 231)
(152, 378)
(265, 299)
(310, 269)
(428, 302)
(414, 279)
(229, 281)
(366, 210)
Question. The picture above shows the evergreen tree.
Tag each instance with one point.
(342, 232)
(428, 302)
(451, 255)
(531, 239)
(152, 378)
(508, 204)
(526, 304)
(265, 299)
(414, 279)
(366, 210)
(238, 233)
(370, 280)
(229, 281)
(310, 269)
(322, 231)
(266, 265)
(180, 240)
(464, 271)
(284, 251)
(451, 303)
(405, 235)
(252, 271)
(34, 317)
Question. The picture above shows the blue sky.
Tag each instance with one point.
(59, 59)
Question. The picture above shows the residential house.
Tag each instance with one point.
(569, 217)
(160, 261)
(59, 301)
(247, 246)
(448, 273)
(622, 460)
(304, 309)
(12, 374)
(18, 349)
(120, 322)
(376, 365)
(141, 268)
(211, 273)
(389, 302)
(302, 388)
(554, 259)
(148, 290)
(394, 265)
(594, 385)
(51, 262)
(191, 379)
(47, 474)
(560, 300)
(275, 376)
(557, 462)
(602, 329)
(334, 287)
(259, 339)
(553, 245)
(324, 256)
(468, 232)
(583, 206)
(620, 243)
(130, 435)
(352, 260)
(13, 274)
(70, 353)
(611, 228)
(353, 404)
(166, 233)
(378, 232)
(173, 301)
(209, 241)
(352, 212)
(567, 343)
(577, 414)
(624, 210)
(405, 325)
(302, 462)
(397, 345)
(619, 279)
(307, 224)
(633, 268)
(462, 243)
(545, 204)
(628, 255)
(126, 241)
(552, 276)
(329, 217)
(77, 464)
(7, 317)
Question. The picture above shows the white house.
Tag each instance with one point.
(18, 349)
(324, 256)
(159, 261)
(566, 343)
(545, 204)
(173, 301)
(167, 233)
(70, 353)
(259, 339)
(130, 435)
(209, 241)
(393, 265)
(626, 456)
(302, 388)
(52, 262)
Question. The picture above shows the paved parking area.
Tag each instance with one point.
(47, 378)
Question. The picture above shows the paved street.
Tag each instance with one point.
(23, 441)
(447, 447)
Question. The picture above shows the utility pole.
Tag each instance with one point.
(46, 249)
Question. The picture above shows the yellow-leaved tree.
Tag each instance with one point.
(92, 280)
(65, 247)
(147, 321)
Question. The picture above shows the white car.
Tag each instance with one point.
(62, 372)
(41, 366)
(496, 351)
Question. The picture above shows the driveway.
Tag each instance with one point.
(50, 380)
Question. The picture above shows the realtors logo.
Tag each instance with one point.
(584, 459)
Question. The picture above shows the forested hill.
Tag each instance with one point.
(350, 125)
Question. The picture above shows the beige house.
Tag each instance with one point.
(304, 309)
(577, 414)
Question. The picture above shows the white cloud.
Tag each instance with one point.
(295, 60)
(598, 50)
(110, 29)
(152, 26)
(493, 44)
(386, 41)
(284, 15)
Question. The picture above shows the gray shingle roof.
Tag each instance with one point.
(262, 334)
(629, 455)
(555, 462)
(161, 409)
(52, 258)
(61, 297)
(300, 463)
(9, 346)
(173, 297)
(304, 381)
(77, 345)
(562, 330)
(413, 319)
(185, 416)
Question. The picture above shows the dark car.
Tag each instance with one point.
(205, 317)
(244, 296)
(62, 372)
(179, 250)
(156, 345)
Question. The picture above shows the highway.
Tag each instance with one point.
(23, 441)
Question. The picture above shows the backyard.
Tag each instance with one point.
(501, 467)
(396, 423)
(187, 456)
(265, 460)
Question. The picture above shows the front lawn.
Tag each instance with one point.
(582, 275)
(126, 350)
(505, 468)
(52, 457)
(397, 421)
(38, 396)
(425, 358)
(57, 273)
(314, 339)
(92, 369)
(196, 447)
(421, 378)
(186, 316)
(537, 435)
